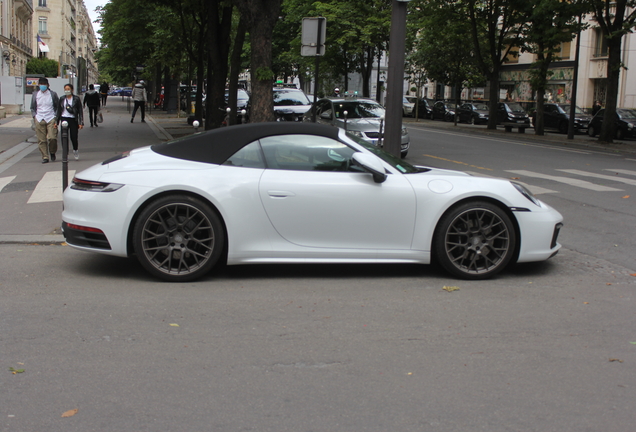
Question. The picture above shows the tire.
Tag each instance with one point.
(563, 127)
(178, 238)
(620, 134)
(403, 154)
(473, 121)
(475, 240)
(591, 131)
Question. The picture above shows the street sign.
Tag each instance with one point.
(314, 33)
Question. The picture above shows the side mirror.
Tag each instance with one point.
(370, 164)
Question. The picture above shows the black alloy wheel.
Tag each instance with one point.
(475, 240)
(178, 238)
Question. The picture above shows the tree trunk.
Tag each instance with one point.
(608, 130)
(260, 17)
(494, 99)
(219, 41)
(235, 66)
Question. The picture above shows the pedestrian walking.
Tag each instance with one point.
(70, 110)
(597, 107)
(44, 103)
(103, 91)
(139, 97)
(92, 100)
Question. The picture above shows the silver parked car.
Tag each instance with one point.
(360, 117)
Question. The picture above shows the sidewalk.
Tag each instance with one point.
(31, 192)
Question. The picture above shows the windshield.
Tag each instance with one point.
(481, 106)
(515, 108)
(358, 109)
(566, 109)
(626, 113)
(287, 98)
(395, 162)
(240, 95)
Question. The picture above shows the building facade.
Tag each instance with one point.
(16, 43)
(66, 29)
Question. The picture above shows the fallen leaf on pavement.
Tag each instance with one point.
(616, 360)
(16, 371)
(626, 196)
(174, 325)
(450, 288)
(70, 413)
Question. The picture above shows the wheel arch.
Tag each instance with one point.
(490, 200)
(131, 227)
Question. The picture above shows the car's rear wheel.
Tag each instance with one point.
(591, 131)
(178, 238)
(563, 127)
(475, 240)
(473, 120)
(620, 134)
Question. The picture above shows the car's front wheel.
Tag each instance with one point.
(178, 238)
(591, 131)
(620, 133)
(475, 240)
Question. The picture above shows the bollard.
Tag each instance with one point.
(228, 110)
(243, 112)
(196, 125)
(64, 155)
(381, 132)
(345, 112)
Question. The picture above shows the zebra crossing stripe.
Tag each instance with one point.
(600, 176)
(49, 189)
(570, 181)
(5, 181)
(622, 171)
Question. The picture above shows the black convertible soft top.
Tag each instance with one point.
(217, 145)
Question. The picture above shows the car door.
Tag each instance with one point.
(324, 112)
(314, 198)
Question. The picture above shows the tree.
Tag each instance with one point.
(496, 27)
(440, 49)
(260, 17)
(550, 23)
(44, 66)
(615, 18)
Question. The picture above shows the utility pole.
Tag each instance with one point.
(395, 81)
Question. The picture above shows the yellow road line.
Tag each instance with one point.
(458, 162)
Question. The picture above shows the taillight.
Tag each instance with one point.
(94, 186)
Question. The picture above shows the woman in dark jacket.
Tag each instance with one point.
(70, 110)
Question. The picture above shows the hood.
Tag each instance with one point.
(363, 124)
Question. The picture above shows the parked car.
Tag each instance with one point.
(359, 117)
(558, 116)
(444, 111)
(242, 100)
(511, 112)
(473, 113)
(284, 193)
(290, 103)
(625, 123)
(408, 105)
(424, 109)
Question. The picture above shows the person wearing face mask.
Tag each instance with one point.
(70, 110)
(44, 104)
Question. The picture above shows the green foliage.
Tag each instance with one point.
(264, 74)
(45, 66)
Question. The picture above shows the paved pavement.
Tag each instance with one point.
(31, 192)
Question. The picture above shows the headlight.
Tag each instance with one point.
(404, 131)
(526, 193)
(630, 126)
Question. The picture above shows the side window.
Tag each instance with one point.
(306, 153)
(249, 156)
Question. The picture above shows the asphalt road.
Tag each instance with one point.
(544, 347)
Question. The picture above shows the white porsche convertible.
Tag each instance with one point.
(299, 193)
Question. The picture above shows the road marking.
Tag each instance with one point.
(24, 122)
(534, 189)
(622, 171)
(570, 181)
(49, 189)
(5, 181)
(600, 176)
(457, 162)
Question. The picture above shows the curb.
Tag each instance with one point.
(32, 239)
